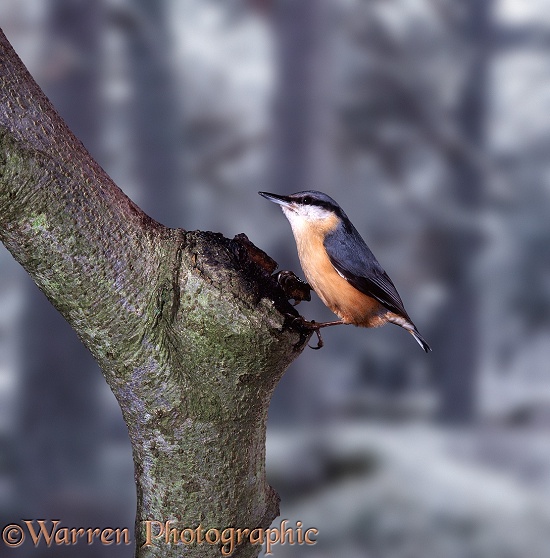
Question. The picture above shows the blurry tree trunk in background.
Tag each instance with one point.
(302, 158)
(302, 152)
(457, 348)
(60, 417)
(155, 123)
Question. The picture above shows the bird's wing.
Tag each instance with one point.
(355, 262)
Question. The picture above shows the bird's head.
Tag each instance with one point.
(308, 209)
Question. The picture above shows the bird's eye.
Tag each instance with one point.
(307, 200)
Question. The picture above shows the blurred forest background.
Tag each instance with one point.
(429, 122)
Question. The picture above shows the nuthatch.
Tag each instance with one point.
(339, 265)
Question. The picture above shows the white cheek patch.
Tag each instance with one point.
(303, 219)
(290, 214)
(296, 221)
(315, 213)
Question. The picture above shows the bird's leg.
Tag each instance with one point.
(315, 326)
(319, 325)
(319, 341)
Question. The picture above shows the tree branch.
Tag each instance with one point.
(189, 328)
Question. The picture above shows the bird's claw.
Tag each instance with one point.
(294, 287)
(304, 326)
(319, 341)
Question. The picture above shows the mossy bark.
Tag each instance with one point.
(189, 328)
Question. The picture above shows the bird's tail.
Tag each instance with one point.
(411, 328)
(420, 340)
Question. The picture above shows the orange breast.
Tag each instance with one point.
(351, 305)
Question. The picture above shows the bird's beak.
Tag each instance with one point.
(284, 201)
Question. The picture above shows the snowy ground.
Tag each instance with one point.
(414, 491)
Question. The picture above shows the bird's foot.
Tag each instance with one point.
(306, 327)
(294, 287)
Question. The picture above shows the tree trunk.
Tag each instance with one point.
(458, 354)
(155, 121)
(302, 154)
(189, 328)
(75, 443)
(303, 134)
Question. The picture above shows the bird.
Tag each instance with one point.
(340, 267)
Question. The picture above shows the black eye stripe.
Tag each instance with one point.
(324, 204)
(307, 200)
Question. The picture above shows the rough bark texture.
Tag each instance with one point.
(188, 327)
